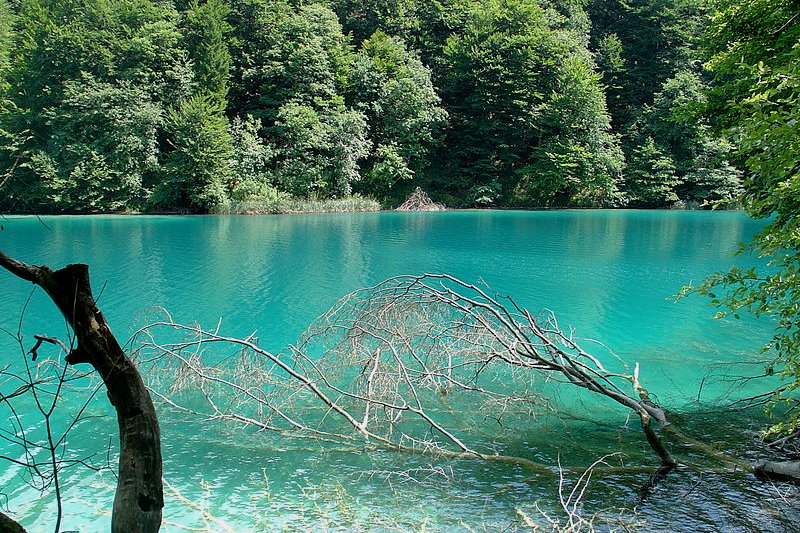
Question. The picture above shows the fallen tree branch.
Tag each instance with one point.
(385, 361)
(419, 200)
(778, 470)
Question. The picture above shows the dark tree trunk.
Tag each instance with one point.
(9, 526)
(139, 497)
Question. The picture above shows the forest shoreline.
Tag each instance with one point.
(379, 210)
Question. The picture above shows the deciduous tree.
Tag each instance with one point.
(198, 165)
(755, 55)
(206, 41)
(393, 89)
(521, 92)
(87, 88)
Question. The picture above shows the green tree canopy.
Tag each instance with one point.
(286, 54)
(522, 93)
(320, 149)
(641, 44)
(87, 88)
(6, 25)
(393, 89)
(362, 18)
(103, 149)
(672, 151)
(754, 47)
(206, 36)
(480, 102)
(198, 166)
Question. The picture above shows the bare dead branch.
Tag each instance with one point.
(42, 338)
(385, 362)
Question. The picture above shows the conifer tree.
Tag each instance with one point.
(206, 41)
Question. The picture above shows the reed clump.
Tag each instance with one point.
(289, 205)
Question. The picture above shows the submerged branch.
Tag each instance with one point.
(385, 362)
(387, 367)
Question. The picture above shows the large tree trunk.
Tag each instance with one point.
(139, 497)
(9, 526)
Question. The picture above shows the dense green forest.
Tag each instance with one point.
(198, 106)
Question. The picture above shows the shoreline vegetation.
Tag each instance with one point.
(242, 105)
(417, 201)
(291, 206)
(301, 206)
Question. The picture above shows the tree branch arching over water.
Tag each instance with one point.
(382, 364)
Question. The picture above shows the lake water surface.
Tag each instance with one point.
(609, 274)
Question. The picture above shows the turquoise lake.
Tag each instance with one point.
(610, 275)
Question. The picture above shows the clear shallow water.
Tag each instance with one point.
(609, 274)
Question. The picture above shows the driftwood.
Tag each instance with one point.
(139, 496)
(784, 470)
(420, 201)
